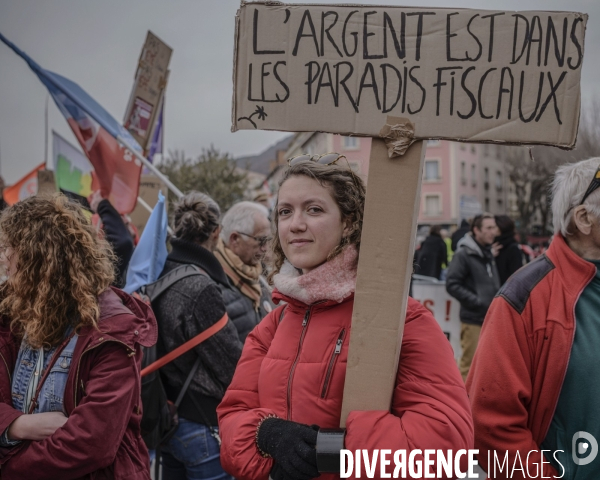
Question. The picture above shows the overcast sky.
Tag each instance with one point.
(97, 45)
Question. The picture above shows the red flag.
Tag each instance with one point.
(116, 170)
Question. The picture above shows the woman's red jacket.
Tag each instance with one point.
(101, 439)
(292, 369)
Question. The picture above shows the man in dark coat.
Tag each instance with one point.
(510, 257)
(473, 280)
(432, 254)
(460, 233)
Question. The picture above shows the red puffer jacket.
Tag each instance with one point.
(295, 369)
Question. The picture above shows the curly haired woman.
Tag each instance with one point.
(289, 381)
(70, 349)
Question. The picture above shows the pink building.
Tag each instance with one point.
(449, 190)
(456, 182)
(356, 149)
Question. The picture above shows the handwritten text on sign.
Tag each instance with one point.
(464, 74)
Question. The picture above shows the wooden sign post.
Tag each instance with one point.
(384, 270)
(402, 75)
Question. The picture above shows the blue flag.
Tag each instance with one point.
(149, 256)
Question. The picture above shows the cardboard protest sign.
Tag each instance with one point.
(402, 75)
(471, 75)
(150, 81)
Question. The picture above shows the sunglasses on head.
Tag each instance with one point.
(594, 184)
(323, 159)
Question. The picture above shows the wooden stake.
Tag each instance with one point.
(384, 270)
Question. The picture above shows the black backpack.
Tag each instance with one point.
(159, 417)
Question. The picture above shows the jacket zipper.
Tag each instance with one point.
(130, 352)
(562, 382)
(289, 388)
(334, 356)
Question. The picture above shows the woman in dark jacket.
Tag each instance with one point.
(432, 254)
(186, 309)
(70, 348)
(510, 257)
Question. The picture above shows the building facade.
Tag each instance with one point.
(460, 180)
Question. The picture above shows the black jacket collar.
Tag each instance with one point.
(191, 253)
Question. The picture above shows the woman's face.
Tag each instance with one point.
(310, 222)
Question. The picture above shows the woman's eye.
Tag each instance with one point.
(315, 209)
(284, 211)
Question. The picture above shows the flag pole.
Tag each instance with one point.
(46, 131)
(150, 166)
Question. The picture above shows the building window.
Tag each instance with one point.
(432, 170)
(499, 181)
(473, 175)
(486, 178)
(463, 146)
(433, 143)
(473, 149)
(487, 204)
(463, 173)
(350, 143)
(486, 150)
(432, 205)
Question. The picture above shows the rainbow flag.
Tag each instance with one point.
(73, 172)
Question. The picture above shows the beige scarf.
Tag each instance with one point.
(244, 277)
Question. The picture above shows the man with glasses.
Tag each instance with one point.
(245, 235)
(535, 380)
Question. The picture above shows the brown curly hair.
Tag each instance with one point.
(348, 191)
(61, 268)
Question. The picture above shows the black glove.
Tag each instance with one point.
(277, 472)
(292, 446)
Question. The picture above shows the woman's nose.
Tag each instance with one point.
(297, 224)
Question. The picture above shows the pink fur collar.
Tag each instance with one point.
(334, 280)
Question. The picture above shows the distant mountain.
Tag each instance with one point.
(261, 163)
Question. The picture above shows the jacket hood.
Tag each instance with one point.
(470, 244)
(333, 281)
(125, 319)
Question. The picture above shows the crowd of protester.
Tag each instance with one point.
(261, 391)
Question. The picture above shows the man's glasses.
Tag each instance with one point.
(594, 184)
(262, 241)
(323, 159)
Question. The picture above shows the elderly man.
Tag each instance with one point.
(535, 382)
(245, 234)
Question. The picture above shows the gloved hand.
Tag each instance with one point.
(277, 472)
(292, 446)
